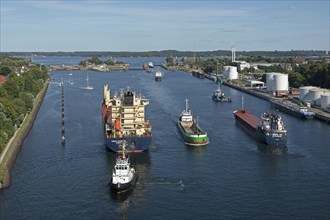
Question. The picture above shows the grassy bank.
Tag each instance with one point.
(13, 146)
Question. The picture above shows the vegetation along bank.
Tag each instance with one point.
(22, 90)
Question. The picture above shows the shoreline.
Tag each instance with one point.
(10, 152)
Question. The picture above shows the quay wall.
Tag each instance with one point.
(10, 152)
(248, 91)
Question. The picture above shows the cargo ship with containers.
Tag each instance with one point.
(269, 128)
(123, 117)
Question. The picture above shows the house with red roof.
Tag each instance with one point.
(3, 79)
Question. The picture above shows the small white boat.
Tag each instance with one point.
(61, 84)
(158, 76)
(150, 64)
(88, 87)
(70, 80)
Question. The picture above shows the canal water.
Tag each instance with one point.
(234, 177)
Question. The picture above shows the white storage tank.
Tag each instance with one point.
(232, 73)
(225, 68)
(304, 92)
(280, 82)
(269, 81)
(225, 71)
(325, 100)
(315, 96)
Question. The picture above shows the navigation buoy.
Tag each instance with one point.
(63, 140)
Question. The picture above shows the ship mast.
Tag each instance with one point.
(87, 84)
(124, 148)
(186, 104)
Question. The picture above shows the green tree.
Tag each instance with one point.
(3, 92)
(14, 86)
(170, 61)
(27, 100)
(296, 79)
(5, 70)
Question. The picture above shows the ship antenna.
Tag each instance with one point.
(242, 102)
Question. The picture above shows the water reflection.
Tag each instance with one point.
(196, 149)
(122, 202)
(272, 150)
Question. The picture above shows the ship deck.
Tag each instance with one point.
(250, 119)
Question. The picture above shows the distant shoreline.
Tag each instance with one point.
(9, 154)
(176, 53)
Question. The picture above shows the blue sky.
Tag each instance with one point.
(184, 25)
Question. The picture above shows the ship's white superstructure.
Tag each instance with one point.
(127, 114)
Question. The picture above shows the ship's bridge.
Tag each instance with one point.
(128, 99)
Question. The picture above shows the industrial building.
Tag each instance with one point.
(256, 83)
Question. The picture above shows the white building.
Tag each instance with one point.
(242, 65)
(256, 83)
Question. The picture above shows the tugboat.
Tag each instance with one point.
(219, 96)
(190, 130)
(123, 175)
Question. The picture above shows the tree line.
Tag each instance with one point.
(17, 94)
(97, 61)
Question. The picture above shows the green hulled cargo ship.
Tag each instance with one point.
(190, 130)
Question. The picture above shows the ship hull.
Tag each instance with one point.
(135, 144)
(123, 187)
(158, 79)
(193, 139)
(249, 123)
(272, 139)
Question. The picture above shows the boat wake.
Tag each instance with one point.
(162, 181)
